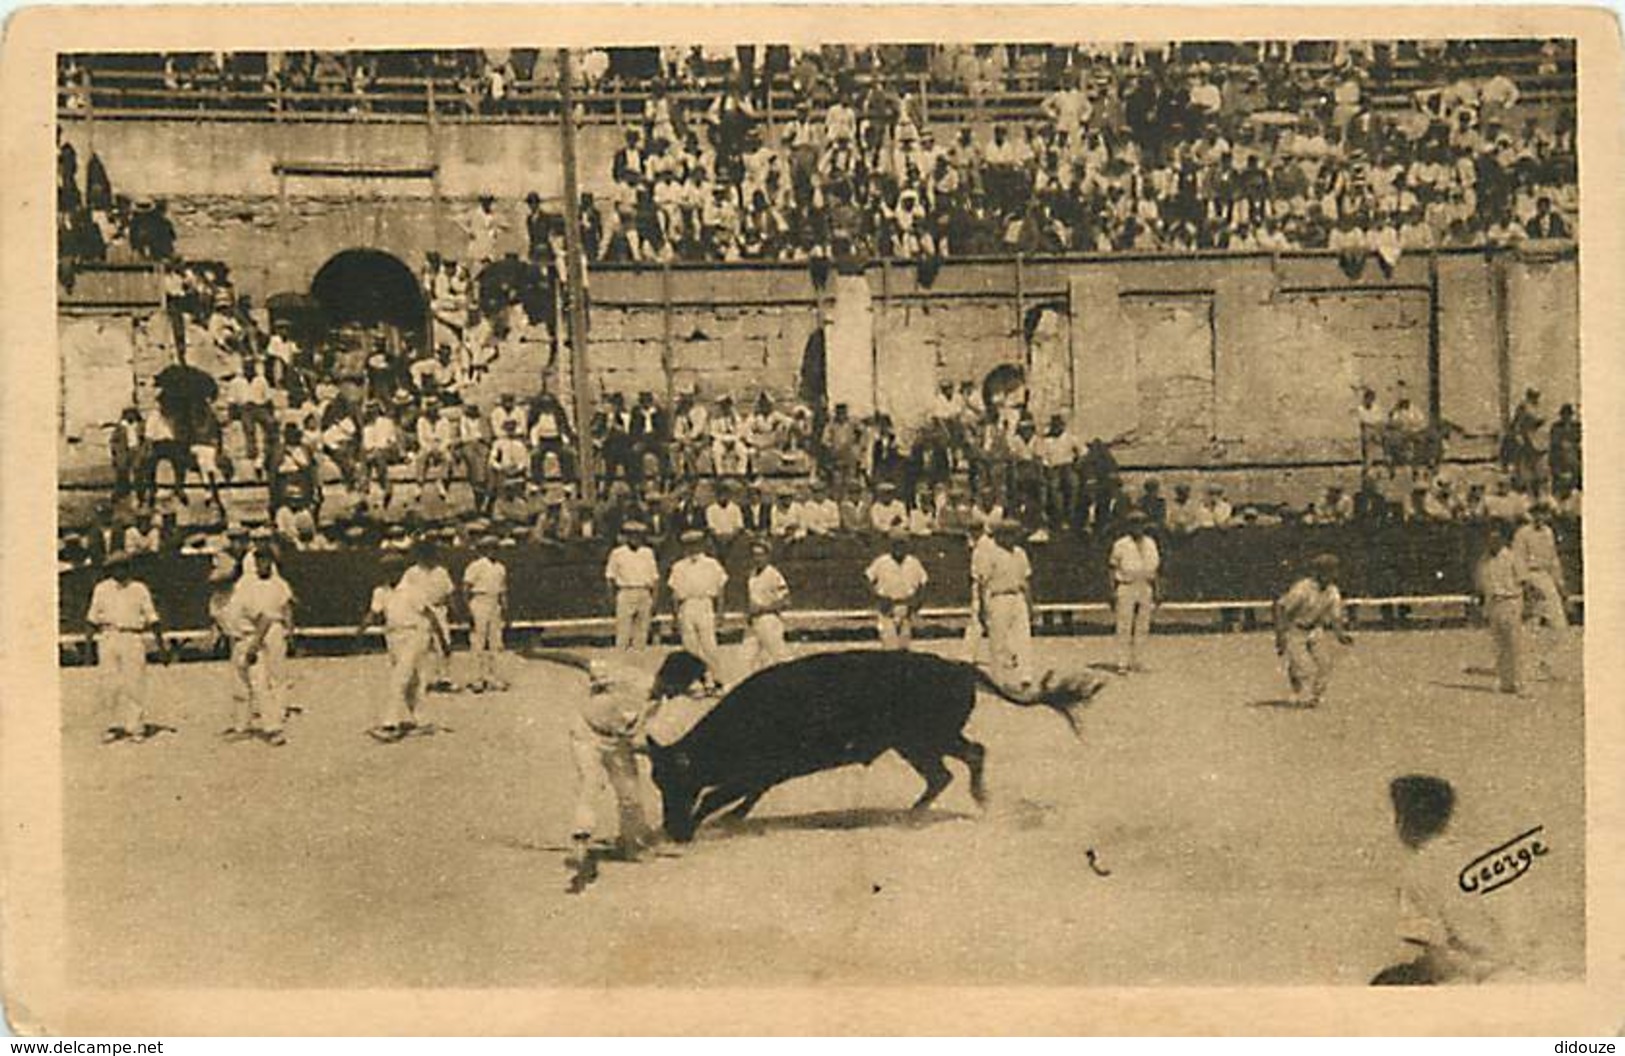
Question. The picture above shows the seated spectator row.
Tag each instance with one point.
(501, 81)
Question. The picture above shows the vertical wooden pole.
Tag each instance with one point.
(576, 278)
(1021, 315)
(1435, 392)
(667, 370)
(1503, 333)
(876, 321)
(436, 204)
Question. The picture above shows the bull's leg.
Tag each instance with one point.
(744, 808)
(722, 796)
(930, 766)
(974, 756)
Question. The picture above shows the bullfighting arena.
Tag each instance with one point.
(1236, 840)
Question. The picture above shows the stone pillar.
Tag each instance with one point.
(850, 347)
(1105, 398)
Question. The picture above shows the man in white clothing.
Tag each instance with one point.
(485, 591)
(1135, 562)
(1004, 582)
(121, 615)
(696, 581)
(258, 616)
(428, 580)
(412, 626)
(1535, 547)
(769, 596)
(897, 580)
(633, 577)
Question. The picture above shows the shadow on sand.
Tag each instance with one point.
(1283, 703)
(830, 821)
(1470, 687)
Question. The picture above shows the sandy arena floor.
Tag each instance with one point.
(1246, 842)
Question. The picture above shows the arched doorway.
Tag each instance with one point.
(366, 289)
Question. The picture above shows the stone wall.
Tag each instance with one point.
(1222, 361)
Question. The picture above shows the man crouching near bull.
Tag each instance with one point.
(607, 733)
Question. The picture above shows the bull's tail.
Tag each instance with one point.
(1065, 697)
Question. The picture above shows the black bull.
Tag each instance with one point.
(831, 710)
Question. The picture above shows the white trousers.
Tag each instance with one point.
(261, 705)
(601, 761)
(634, 614)
(697, 627)
(122, 657)
(764, 645)
(1133, 621)
(485, 634)
(1010, 638)
(407, 648)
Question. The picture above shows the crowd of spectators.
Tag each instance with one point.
(1127, 151)
(346, 468)
(93, 223)
(1130, 148)
(1134, 147)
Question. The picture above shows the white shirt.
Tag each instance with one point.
(485, 577)
(896, 580)
(432, 586)
(981, 519)
(622, 703)
(436, 434)
(1135, 561)
(787, 521)
(981, 552)
(1004, 571)
(725, 520)
(339, 433)
(547, 428)
(137, 541)
(241, 390)
(1308, 605)
(121, 607)
(768, 590)
(1059, 450)
(632, 568)
(400, 609)
(697, 577)
(820, 516)
(1536, 546)
(501, 416)
(281, 349)
(379, 434)
(1473, 938)
(254, 600)
(888, 515)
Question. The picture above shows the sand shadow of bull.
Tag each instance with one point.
(838, 709)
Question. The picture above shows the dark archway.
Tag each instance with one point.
(369, 288)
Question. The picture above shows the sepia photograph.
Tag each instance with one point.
(893, 508)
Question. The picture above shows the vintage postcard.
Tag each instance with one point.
(967, 519)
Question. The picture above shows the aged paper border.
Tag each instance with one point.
(39, 999)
